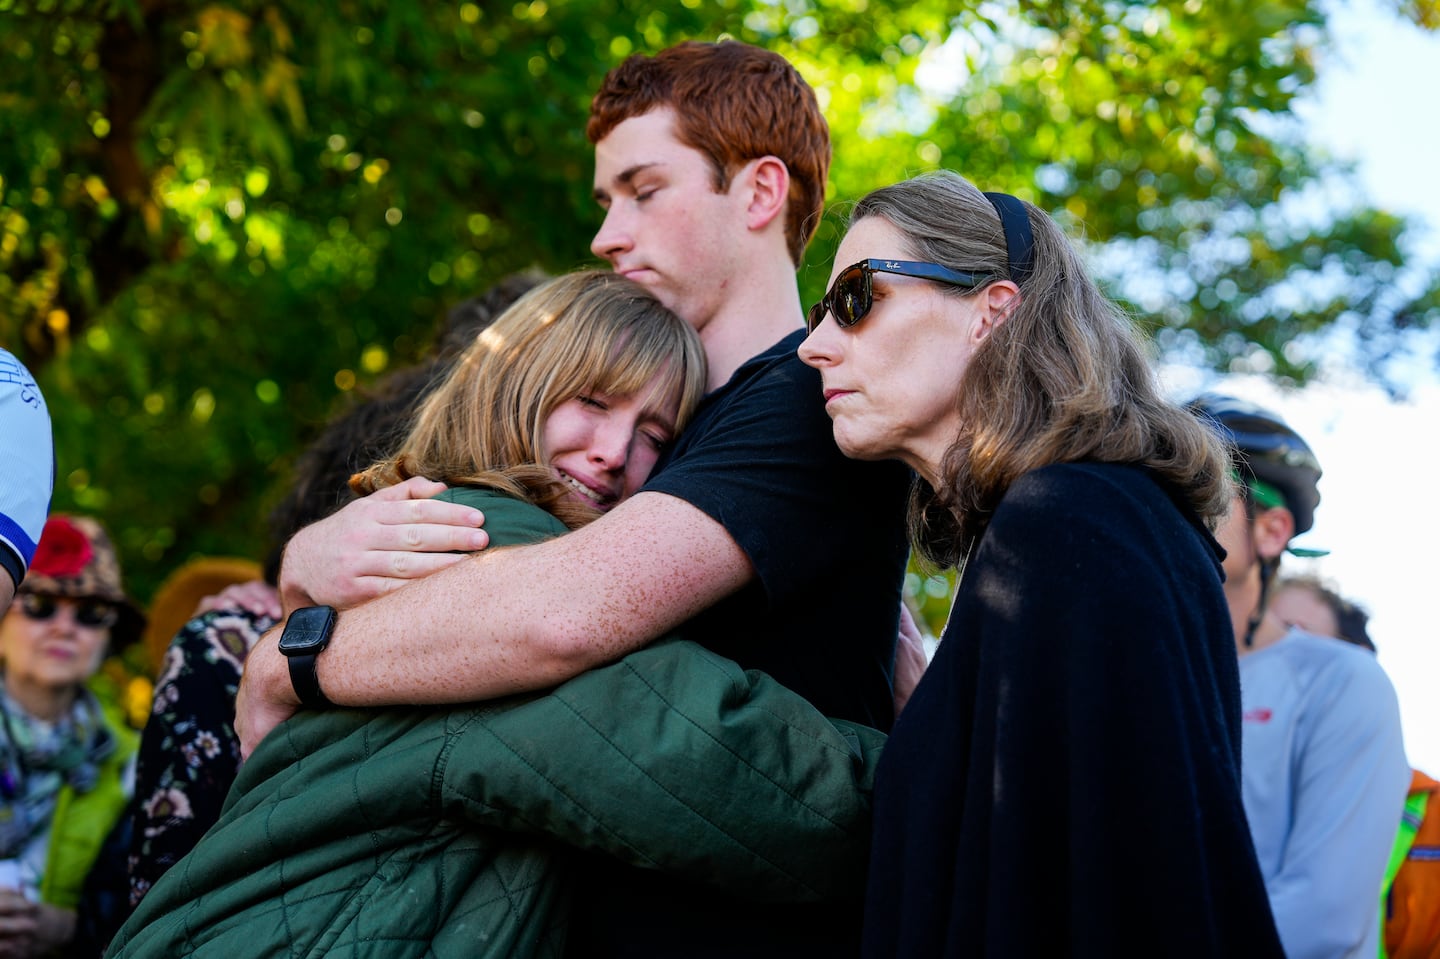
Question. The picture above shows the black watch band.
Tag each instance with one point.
(306, 680)
(306, 634)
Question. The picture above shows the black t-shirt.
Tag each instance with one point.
(824, 533)
(826, 537)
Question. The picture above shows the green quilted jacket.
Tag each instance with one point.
(446, 832)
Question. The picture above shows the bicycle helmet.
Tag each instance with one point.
(1266, 448)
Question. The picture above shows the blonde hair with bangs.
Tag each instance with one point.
(586, 332)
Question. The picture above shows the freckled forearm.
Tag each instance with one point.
(487, 628)
(525, 618)
(439, 640)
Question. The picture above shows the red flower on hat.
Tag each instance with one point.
(63, 550)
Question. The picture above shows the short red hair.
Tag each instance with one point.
(734, 103)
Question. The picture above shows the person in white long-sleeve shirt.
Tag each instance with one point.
(1323, 762)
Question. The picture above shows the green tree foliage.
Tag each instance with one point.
(219, 220)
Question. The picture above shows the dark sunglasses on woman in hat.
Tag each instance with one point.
(93, 613)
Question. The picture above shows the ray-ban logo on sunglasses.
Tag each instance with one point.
(891, 265)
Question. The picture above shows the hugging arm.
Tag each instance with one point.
(673, 759)
(484, 628)
(676, 759)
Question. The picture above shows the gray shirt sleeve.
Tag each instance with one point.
(1349, 778)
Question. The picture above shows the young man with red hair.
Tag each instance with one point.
(755, 535)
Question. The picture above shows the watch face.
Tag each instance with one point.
(307, 630)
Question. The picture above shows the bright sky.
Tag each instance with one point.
(1380, 509)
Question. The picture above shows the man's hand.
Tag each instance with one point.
(910, 659)
(32, 928)
(256, 597)
(265, 699)
(377, 543)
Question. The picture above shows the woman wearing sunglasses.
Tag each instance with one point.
(63, 762)
(1065, 779)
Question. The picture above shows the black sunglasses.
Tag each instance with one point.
(94, 613)
(849, 298)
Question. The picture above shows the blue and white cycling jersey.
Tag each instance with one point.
(27, 465)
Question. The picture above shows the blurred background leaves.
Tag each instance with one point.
(220, 220)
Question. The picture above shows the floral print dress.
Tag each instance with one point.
(189, 753)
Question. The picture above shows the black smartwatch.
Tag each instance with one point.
(307, 633)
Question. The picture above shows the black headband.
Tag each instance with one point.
(1019, 241)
